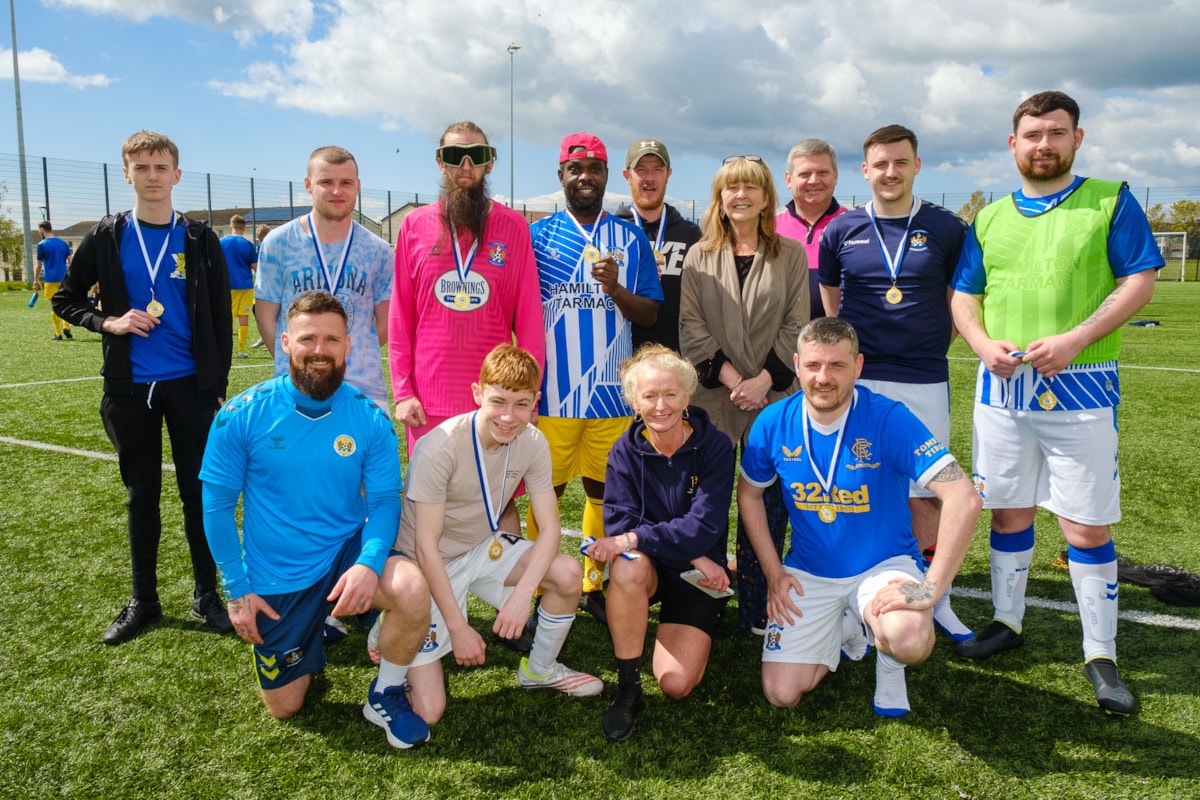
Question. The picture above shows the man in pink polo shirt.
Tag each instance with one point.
(811, 176)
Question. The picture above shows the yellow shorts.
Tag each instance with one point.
(242, 301)
(580, 446)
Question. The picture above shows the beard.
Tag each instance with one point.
(586, 209)
(465, 207)
(1046, 172)
(317, 385)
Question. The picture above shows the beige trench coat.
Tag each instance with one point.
(743, 323)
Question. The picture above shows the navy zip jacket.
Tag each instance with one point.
(677, 506)
(98, 259)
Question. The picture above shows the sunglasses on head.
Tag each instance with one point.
(452, 155)
(731, 159)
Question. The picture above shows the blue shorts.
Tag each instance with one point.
(293, 646)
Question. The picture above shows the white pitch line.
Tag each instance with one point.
(1146, 618)
(70, 451)
(101, 377)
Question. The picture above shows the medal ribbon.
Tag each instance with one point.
(893, 264)
(493, 511)
(662, 228)
(331, 281)
(587, 237)
(826, 480)
(464, 267)
(153, 268)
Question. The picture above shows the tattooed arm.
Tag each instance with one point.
(1052, 354)
(961, 505)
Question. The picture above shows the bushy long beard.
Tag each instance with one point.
(315, 385)
(465, 207)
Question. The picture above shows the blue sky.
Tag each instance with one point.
(250, 87)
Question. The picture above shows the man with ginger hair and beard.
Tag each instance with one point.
(465, 282)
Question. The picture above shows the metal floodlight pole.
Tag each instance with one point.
(512, 181)
(25, 235)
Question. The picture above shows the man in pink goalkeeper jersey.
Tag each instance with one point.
(465, 282)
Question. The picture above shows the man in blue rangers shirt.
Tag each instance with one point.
(317, 466)
(1047, 278)
(846, 456)
(885, 268)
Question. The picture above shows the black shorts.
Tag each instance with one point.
(684, 604)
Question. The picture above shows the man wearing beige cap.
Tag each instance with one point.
(647, 169)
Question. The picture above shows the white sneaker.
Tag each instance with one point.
(257, 344)
(562, 678)
(373, 639)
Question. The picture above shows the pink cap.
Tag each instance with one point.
(582, 145)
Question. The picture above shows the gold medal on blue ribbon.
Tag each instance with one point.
(893, 295)
(591, 254)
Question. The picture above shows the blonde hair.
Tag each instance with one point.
(661, 357)
(717, 231)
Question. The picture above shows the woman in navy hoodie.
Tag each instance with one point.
(667, 492)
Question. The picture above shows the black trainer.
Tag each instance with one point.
(209, 608)
(1111, 692)
(618, 719)
(593, 603)
(135, 616)
(67, 333)
(993, 639)
(524, 642)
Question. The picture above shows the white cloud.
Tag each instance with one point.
(39, 66)
(714, 76)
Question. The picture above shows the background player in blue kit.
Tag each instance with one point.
(53, 256)
(1047, 278)
(885, 268)
(241, 256)
(845, 456)
(317, 466)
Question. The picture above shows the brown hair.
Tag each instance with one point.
(316, 303)
(828, 330)
(1042, 103)
(149, 142)
(717, 230)
(463, 126)
(331, 154)
(890, 134)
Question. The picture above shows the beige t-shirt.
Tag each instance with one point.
(442, 469)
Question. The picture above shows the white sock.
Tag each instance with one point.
(390, 675)
(948, 621)
(854, 639)
(891, 688)
(1096, 592)
(1010, 574)
(548, 642)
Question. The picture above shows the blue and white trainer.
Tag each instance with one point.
(391, 710)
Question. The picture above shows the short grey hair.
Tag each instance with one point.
(811, 147)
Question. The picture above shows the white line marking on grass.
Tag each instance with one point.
(70, 451)
(101, 377)
(1144, 617)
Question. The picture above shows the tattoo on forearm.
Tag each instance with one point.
(916, 592)
(950, 472)
(1104, 306)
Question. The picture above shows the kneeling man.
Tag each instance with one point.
(316, 464)
(461, 475)
(846, 456)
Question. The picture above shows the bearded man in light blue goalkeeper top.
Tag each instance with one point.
(327, 250)
(845, 456)
(1046, 279)
(316, 464)
(597, 275)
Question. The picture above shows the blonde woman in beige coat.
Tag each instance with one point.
(744, 300)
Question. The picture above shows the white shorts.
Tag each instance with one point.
(1063, 461)
(816, 636)
(929, 402)
(478, 573)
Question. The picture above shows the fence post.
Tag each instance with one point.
(107, 207)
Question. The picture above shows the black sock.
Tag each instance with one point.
(629, 670)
